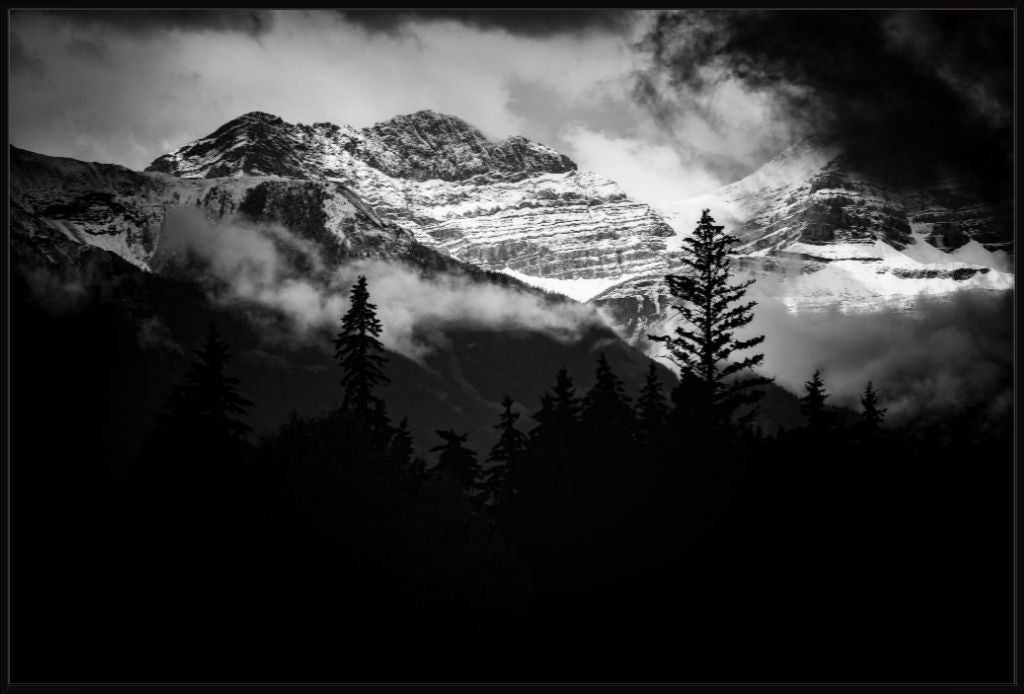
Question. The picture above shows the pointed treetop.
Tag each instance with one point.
(872, 415)
(360, 353)
(812, 404)
(455, 458)
(723, 390)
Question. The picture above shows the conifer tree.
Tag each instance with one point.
(401, 442)
(566, 404)
(651, 407)
(544, 416)
(606, 409)
(208, 403)
(200, 436)
(872, 415)
(704, 344)
(360, 353)
(812, 404)
(458, 460)
(501, 478)
(559, 410)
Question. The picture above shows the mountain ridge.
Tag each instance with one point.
(423, 145)
(822, 231)
(514, 205)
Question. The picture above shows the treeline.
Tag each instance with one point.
(333, 550)
(606, 536)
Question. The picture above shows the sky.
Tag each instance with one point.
(126, 88)
(668, 104)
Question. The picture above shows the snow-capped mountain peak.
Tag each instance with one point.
(513, 205)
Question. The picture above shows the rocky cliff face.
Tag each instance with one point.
(513, 205)
(816, 231)
(819, 234)
(125, 212)
(812, 194)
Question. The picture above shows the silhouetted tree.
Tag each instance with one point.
(360, 353)
(459, 460)
(544, 416)
(501, 478)
(812, 404)
(190, 473)
(566, 404)
(606, 409)
(559, 410)
(208, 402)
(651, 407)
(704, 344)
(401, 443)
(871, 416)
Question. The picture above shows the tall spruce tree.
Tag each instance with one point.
(559, 413)
(208, 403)
(456, 459)
(606, 411)
(360, 353)
(703, 345)
(501, 478)
(812, 404)
(199, 437)
(871, 416)
(401, 443)
(651, 407)
(566, 403)
(544, 417)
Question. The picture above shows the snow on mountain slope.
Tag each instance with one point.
(818, 233)
(812, 193)
(814, 229)
(851, 278)
(866, 276)
(514, 206)
(779, 180)
(125, 212)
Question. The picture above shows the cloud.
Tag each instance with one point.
(25, 64)
(517, 22)
(59, 293)
(258, 264)
(907, 89)
(949, 358)
(159, 89)
(88, 50)
(722, 92)
(154, 333)
(656, 173)
(149, 22)
(138, 95)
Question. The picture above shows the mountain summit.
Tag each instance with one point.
(422, 146)
(513, 206)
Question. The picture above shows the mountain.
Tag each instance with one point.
(514, 206)
(430, 192)
(98, 251)
(114, 209)
(820, 233)
(810, 222)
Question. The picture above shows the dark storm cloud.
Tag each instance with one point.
(540, 23)
(22, 61)
(89, 50)
(909, 90)
(149, 22)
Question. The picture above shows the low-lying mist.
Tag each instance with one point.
(950, 356)
(269, 266)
